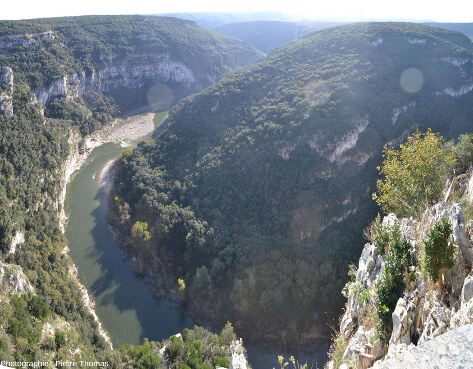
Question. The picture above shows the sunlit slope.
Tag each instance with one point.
(261, 185)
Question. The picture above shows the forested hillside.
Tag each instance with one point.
(258, 190)
(135, 61)
(59, 76)
(466, 28)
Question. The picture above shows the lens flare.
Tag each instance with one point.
(411, 80)
(160, 97)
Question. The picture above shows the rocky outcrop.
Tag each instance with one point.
(25, 40)
(18, 239)
(68, 87)
(450, 350)
(6, 92)
(425, 311)
(238, 359)
(133, 71)
(13, 279)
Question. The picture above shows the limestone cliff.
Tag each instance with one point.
(6, 92)
(138, 60)
(426, 310)
(12, 279)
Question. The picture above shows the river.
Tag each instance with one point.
(124, 302)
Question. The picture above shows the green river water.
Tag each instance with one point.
(124, 302)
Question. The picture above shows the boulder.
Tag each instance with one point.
(13, 278)
(464, 315)
(467, 290)
(356, 345)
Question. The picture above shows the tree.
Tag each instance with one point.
(60, 340)
(439, 252)
(413, 175)
(140, 231)
(201, 278)
(464, 153)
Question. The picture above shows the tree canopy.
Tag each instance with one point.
(413, 174)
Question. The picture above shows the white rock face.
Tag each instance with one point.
(377, 42)
(13, 278)
(464, 315)
(136, 69)
(17, 240)
(133, 71)
(356, 344)
(457, 62)
(456, 92)
(349, 140)
(238, 360)
(284, 152)
(68, 87)
(47, 333)
(6, 92)
(214, 108)
(450, 350)
(25, 40)
(401, 110)
(416, 40)
(370, 269)
(421, 315)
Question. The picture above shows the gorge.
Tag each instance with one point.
(246, 206)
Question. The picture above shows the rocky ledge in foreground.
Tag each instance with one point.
(453, 349)
(431, 323)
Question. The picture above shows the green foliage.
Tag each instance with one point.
(38, 308)
(59, 340)
(200, 349)
(201, 278)
(33, 149)
(413, 175)
(140, 231)
(439, 251)
(463, 153)
(337, 349)
(398, 261)
(145, 358)
(247, 179)
(219, 361)
(381, 237)
(89, 112)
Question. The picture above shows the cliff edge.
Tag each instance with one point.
(431, 321)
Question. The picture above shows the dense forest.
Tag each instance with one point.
(259, 189)
(43, 315)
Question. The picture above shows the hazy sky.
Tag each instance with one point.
(448, 11)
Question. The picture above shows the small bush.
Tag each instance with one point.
(337, 349)
(391, 287)
(60, 340)
(38, 308)
(388, 290)
(463, 154)
(380, 237)
(439, 252)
